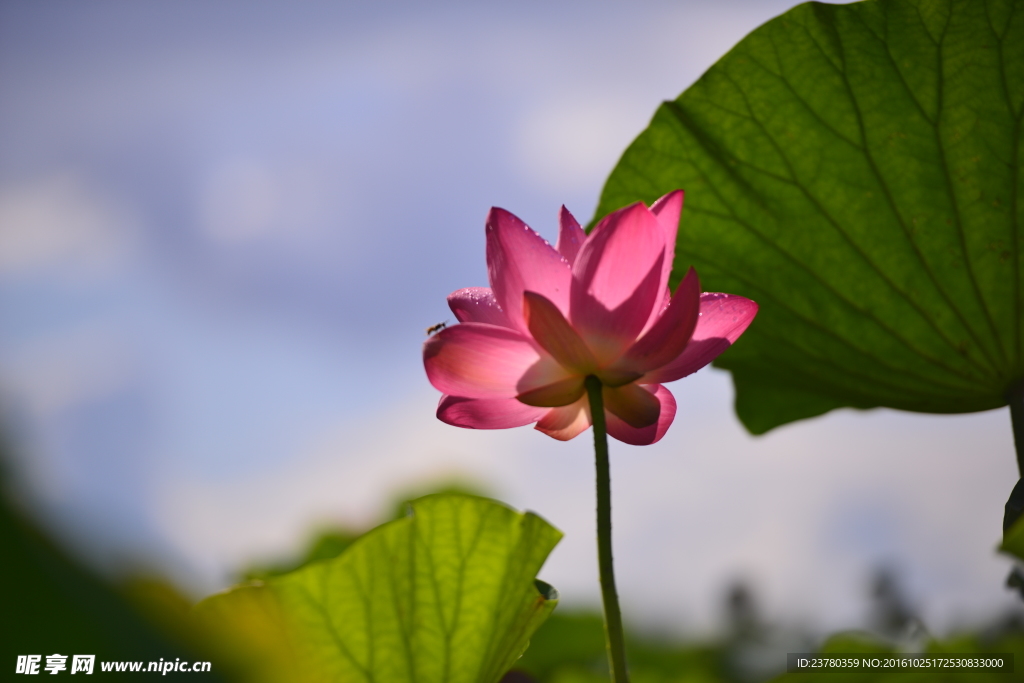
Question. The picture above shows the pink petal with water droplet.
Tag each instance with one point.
(619, 429)
(570, 236)
(566, 422)
(477, 360)
(518, 259)
(667, 210)
(477, 305)
(483, 413)
(617, 280)
(670, 334)
(723, 318)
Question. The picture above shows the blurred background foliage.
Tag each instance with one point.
(52, 601)
(58, 602)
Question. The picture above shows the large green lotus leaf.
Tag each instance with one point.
(855, 169)
(445, 595)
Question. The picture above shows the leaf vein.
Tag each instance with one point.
(1014, 180)
(364, 596)
(890, 200)
(811, 322)
(335, 636)
(968, 267)
(856, 248)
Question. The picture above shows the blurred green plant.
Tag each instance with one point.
(571, 647)
(568, 648)
(1013, 540)
(445, 594)
(1013, 536)
(53, 604)
(251, 634)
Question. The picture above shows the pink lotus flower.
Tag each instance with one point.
(592, 305)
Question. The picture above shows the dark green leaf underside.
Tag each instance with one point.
(855, 170)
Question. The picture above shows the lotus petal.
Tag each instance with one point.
(518, 259)
(486, 413)
(476, 360)
(723, 318)
(619, 429)
(570, 236)
(477, 305)
(566, 422)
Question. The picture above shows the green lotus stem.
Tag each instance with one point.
(614, 637)
(1015, 397)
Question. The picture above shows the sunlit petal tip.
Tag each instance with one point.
(667, 210)
(570, 235)
(617, 279)
(498, 218)
(518, 259)
(723, 318)
(477, 305)
(724, 315)
(690, 279)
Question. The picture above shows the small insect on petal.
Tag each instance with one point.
(434, 329)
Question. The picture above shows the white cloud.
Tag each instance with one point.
(567, 144)
(241, 201)
(251, 199)
(589, 105)
(60, 221)
(44, 380)
(51, 373)
(806, 512)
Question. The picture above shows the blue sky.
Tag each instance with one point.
(225, 226)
